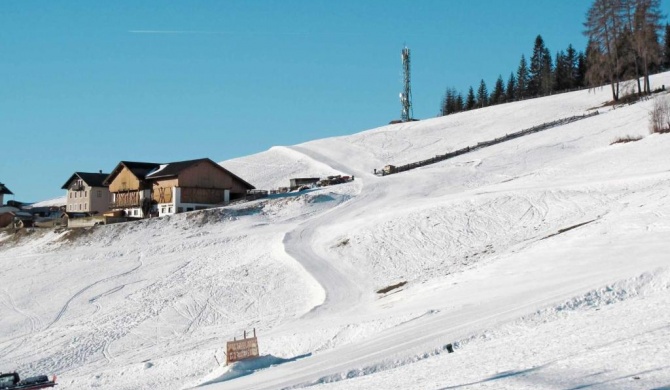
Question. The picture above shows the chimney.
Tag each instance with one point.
(101, 171)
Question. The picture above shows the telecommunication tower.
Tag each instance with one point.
(406, 94)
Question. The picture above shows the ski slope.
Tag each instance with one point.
(543, 260)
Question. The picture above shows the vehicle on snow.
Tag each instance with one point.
(12, 381)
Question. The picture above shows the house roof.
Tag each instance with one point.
(173, 169)
(4, 190)
(91, 179)
(139, 169)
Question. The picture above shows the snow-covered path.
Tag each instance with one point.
(542, 273)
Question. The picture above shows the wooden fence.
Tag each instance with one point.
(390, 169)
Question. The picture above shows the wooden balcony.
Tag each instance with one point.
(125, 200)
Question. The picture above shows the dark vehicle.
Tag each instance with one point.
(11, 381)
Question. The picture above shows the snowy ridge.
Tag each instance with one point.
(510, 253)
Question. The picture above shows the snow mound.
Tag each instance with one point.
(246, 367)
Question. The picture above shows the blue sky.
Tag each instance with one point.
(86, 84)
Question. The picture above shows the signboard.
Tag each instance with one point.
(241, 349)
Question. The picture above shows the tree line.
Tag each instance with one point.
(623, 43)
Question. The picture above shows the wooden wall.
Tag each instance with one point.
(124, 181)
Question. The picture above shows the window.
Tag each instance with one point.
(99, 193)
(79, 206)
(163, 210)
(135, 212)
(85, 194)
(170, 209)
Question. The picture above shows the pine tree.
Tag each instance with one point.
(580, 71)
(452, 102)
(561, 72)
(459, 102)
(571, 67)
(541, 79)
(522, 79)
(498, 94)
(536, 67)
(511, 88)
(470, 101)
(446, 103)
(665, 63)
(482, 95)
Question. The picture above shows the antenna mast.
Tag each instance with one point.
(406, 94)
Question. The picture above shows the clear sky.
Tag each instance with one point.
(86, 84)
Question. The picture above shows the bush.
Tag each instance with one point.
(627, 138)
(659, 117)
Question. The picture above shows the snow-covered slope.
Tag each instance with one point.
(543, 260)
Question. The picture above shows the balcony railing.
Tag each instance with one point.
(123, 200)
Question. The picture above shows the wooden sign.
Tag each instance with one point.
(246, 348)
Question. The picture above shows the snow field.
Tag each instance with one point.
(544, 259)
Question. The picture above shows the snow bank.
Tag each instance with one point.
(245, 367)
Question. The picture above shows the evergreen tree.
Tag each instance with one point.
(580, 71)
(459, 102)
(470, 101)
(446, 103)
(571, 64)
(498, 94)
(452, 102)
(540, 73)
(665, 63)
(562, 72)
(536, 67)
(547, 74)
(522, 79)
(511, 88)
(482, 95)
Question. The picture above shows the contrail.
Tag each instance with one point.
(176, 32)
(239, 32)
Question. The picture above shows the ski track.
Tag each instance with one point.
(78, 293)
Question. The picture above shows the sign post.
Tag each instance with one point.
(246, 348)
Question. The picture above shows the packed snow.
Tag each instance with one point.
(543, 261)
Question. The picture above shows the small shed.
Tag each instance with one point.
(303, 181)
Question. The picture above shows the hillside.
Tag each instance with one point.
(543, 260)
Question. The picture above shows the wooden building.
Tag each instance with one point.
(142, 189)
(129, 189)
(4, 191)
(87, 193)
(194, 185)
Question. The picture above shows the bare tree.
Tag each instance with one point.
(659, 117)
(604, 24)
(646, 25)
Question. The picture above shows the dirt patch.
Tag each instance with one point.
(391, 288)
(342, 243)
